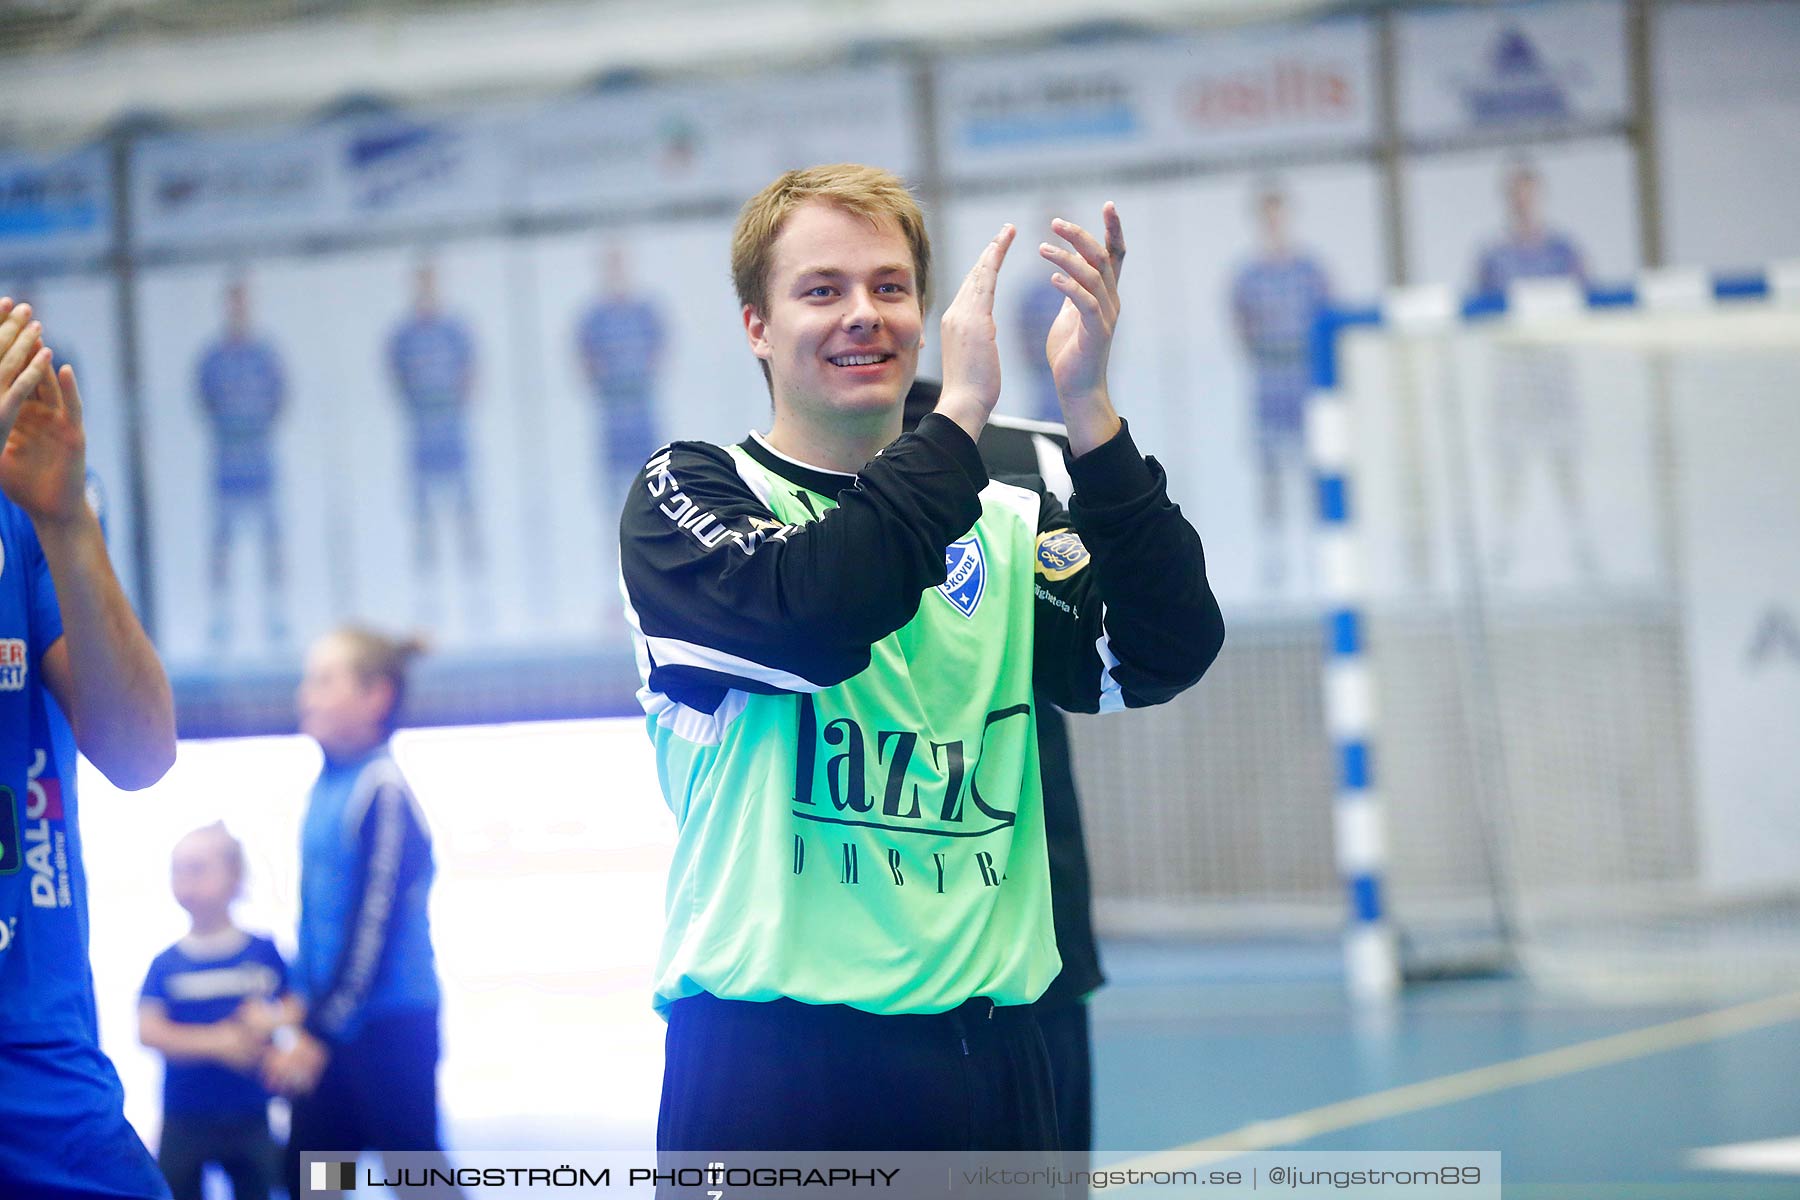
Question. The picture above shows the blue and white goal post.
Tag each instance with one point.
(1550, 524)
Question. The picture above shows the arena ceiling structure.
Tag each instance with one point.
(90, 66)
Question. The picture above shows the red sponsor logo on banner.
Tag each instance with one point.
(1286, 89)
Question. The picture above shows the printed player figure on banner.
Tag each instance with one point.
(243, 392)
(621, 337)
(1536, 410)
(1275, 301)
(431, 356)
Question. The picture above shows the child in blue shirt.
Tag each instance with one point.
(201, 1008)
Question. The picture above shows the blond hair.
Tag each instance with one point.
(376, 656)
(866, 191)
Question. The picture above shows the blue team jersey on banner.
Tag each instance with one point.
(242, 389)
(1552, 256)
(621, 341)
(202, 991)
(1276, 301)
(433, 360)
(1036, 314)
(1536, 403)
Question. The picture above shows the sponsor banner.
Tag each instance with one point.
(710, 142)
(193, 191)
(997, 114)
(55, 204)
(1727, 94)
(1739, 515)
(640, 146)
(1512, 66)
(408, 170)
(769, 126)
(1124, 105)
(353, 175)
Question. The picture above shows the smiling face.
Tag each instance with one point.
(842, 327)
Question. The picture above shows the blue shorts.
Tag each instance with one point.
(440, 448)
(63, 1132)
(1280, 415)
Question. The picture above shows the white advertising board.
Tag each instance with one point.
(708, 142)
(55, 204)
(1475, 68)
(1094, 108)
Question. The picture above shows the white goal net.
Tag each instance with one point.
(1581, 536)
(1579, 542)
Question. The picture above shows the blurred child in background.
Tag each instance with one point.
(362, 1065)
(201, 1008)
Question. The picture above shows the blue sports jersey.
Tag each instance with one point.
(62, 1122)
(1276, 301)
(63, 1133)
(621, 343)
(1036, 314)
(433, 361)
(365, 879)
(1552, 256)
(199, 990)
(46, 992)
(1535, 385)
(242, 390)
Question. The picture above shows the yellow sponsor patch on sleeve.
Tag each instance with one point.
(1060, 554)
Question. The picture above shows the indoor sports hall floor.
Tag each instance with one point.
(1239, 1047)
(1254, 1046)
